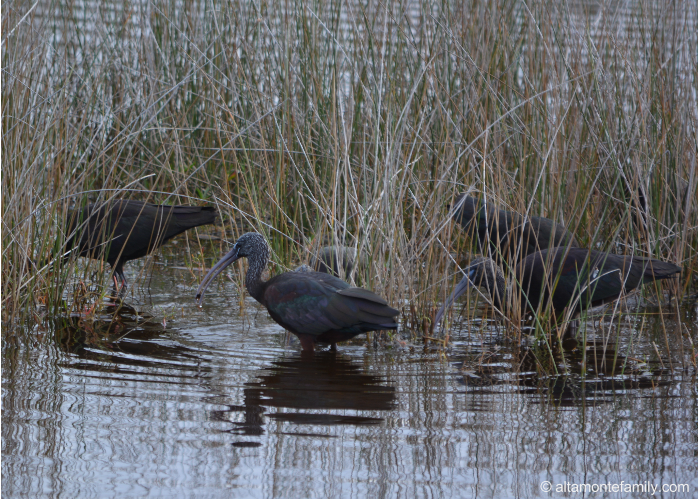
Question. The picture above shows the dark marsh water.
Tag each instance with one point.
(219, 404)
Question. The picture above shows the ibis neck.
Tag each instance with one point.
(495, 286)
(253, 278)
(498, 292)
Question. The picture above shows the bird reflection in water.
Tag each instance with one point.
(123, 336)
(102, 327)
(588, 376)
(314, 388)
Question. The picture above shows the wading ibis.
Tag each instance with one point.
(121, 230)
(574, 277)
(315, 306)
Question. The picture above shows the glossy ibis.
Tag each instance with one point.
(507, 231)
(121, 230)
(316, 307)
(330, 259)
(574, 277)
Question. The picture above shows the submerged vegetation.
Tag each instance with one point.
(342, 123)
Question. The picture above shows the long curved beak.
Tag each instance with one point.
(224, 262)
(460, 289)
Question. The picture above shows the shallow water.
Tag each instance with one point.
(218, 404)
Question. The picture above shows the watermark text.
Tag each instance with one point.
(591, 488)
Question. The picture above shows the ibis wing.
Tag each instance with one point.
(613, 273)
(363, 294)
(363, 306)
(300, 303)
(304, 303)
(600, 277)
(656, 269)
(564, 275)
(595, 276)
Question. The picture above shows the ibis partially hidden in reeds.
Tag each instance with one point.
(330, 259)
(571, 278)
(315, 306)
(120, 230)
(507, 235)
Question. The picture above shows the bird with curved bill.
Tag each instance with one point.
(315, 306)
(571, 278)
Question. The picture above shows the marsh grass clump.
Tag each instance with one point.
(352, 124)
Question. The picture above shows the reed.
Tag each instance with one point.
(350, 123)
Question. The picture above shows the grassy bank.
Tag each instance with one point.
(334, 123)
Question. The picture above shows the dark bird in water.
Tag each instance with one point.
(511, 236)
(575, 277)
(316, 307)
(121, 230)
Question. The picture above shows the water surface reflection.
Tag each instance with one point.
(588, 375)
(321, 389)
(218, 403)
